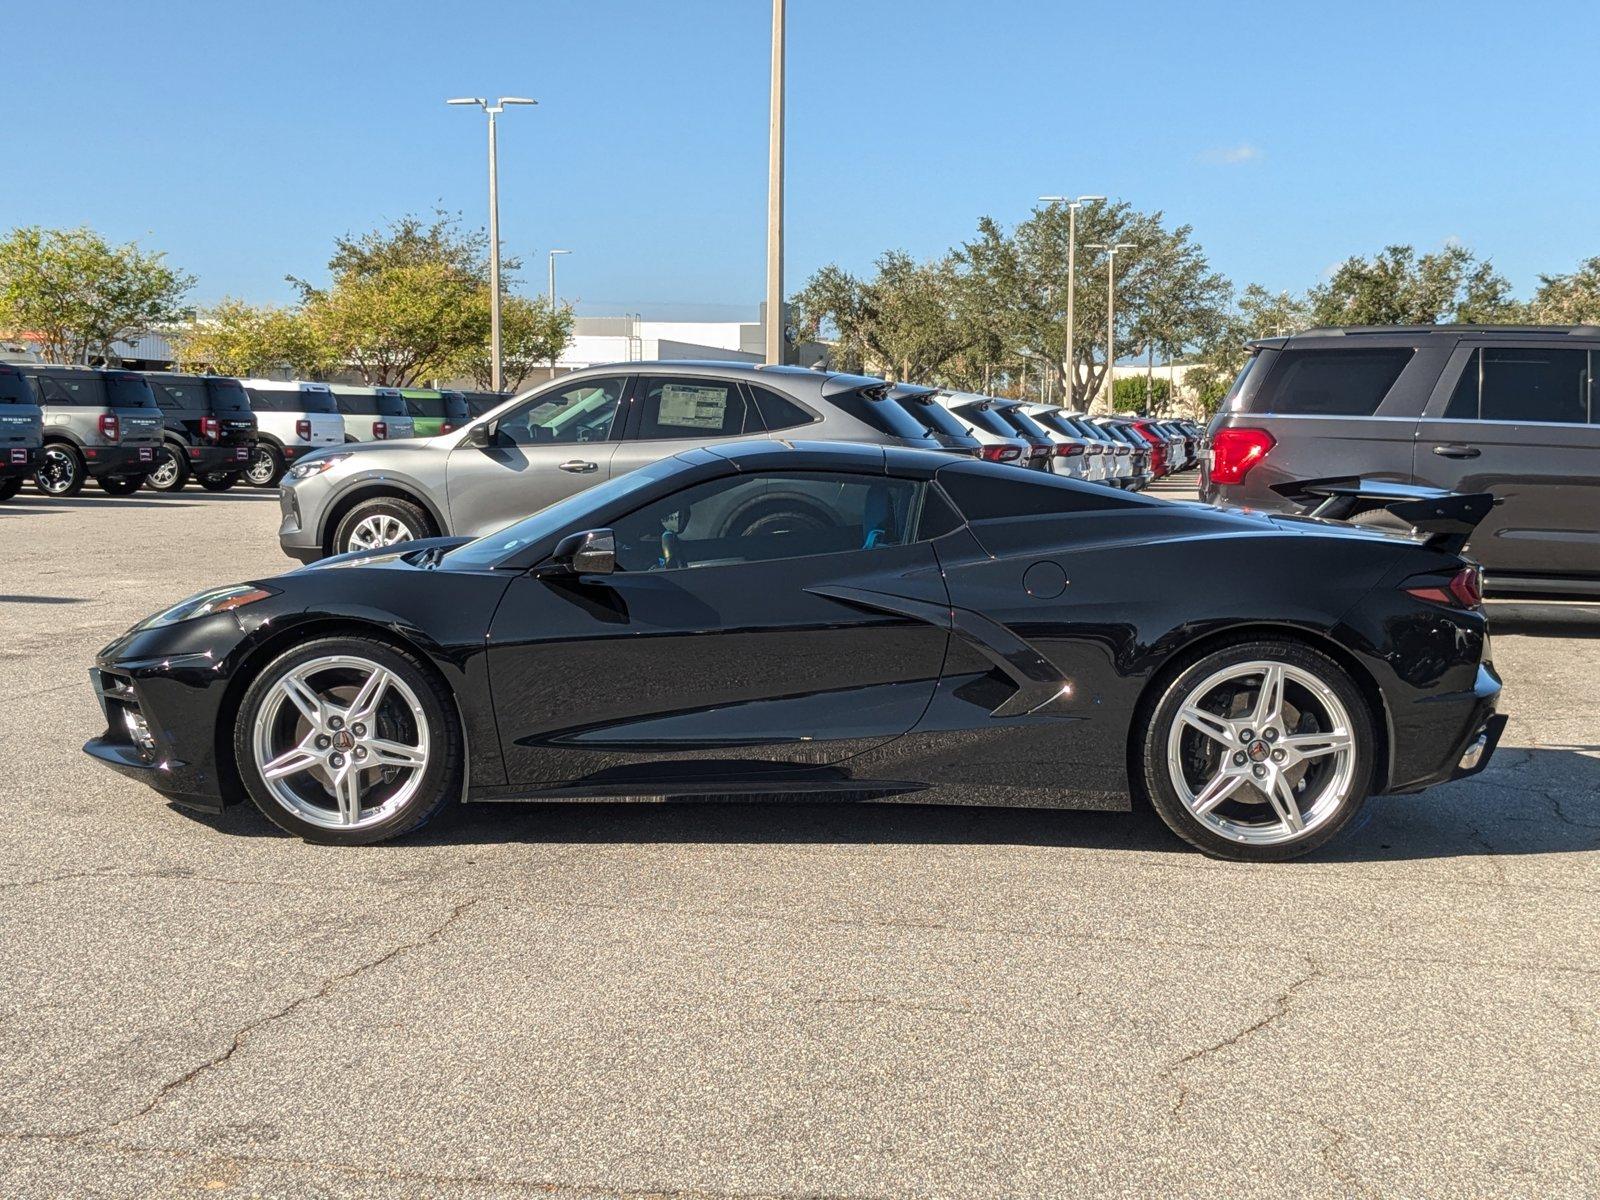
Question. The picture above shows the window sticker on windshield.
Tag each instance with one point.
(688, 407)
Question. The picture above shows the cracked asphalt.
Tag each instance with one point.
(798, 1000)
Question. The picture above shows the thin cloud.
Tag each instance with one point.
(1232, 156)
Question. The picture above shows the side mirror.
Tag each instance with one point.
(480, 436)
(592, 552)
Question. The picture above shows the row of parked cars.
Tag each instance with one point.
(603, 422)
(62, 426)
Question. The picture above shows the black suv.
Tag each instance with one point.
(1510, 410)
(21, 431)
(208, 431)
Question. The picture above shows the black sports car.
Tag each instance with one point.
(836, 619)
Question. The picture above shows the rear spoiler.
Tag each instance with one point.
(1447, 519)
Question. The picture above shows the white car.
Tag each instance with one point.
(373, 414)
(293, 418)
(1000, 442)
(1079, 455)
(1118, 454)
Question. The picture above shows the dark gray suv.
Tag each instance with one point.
(1510, 410)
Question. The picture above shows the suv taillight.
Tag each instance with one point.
(210, 428)
(445, 428)
(110, 427)
(1000, 452)
(1068, 449)
(1464, 589)
(1235, 452)
(302, 429)
(380, 429)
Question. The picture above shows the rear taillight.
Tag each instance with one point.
(302, 430)
(1068, 449)
(1464, 589)
(210, 428)
(110, 427)
(1235, 452)
(380, 429)
(446, 428)
(1000, 452)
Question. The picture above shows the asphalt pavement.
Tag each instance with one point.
(718, 1001)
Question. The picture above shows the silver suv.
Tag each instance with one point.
(100, 425)
(566, 436)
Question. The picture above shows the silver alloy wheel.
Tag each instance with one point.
(166, 474)
(377, 531)
(341, 742)
(1262, 753)
(57, 472)
(259, 471)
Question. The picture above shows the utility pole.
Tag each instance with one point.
(1112, 251)
(1072, 281)
(774, 321)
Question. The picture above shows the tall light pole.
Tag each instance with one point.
(553, 254)
(1111, 314)
(494, 110)
(774, 322)
(1072, 273)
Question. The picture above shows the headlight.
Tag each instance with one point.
(207, 604)
(316, 466)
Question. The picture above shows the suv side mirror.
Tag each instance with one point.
(592, 552)
(480, 436)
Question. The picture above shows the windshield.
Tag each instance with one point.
(1026, 423)
(129, 391)
(935, 416)
(227, 395)
(985, 418)
(563, 514)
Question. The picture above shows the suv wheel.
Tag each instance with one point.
(60, 472)
(348, 740)
(172, 469)
(219, 481)
(120, 485)
(266, 465)
(384, 521)
(1259, 751)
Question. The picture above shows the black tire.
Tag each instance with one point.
(219, 481)
(61, 472)
(120, 485)
(441, 777)
(266, 466)
(415, 522)
(1153, 779)
(10, 487)
(171, 470)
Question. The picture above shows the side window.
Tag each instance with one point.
(580, 413)
(778, 412)
(680, 407)
(1331, 383)
(1463, 404)
(758, 518)
(264, 400)
(1534, 385)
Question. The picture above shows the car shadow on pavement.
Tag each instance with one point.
(1534, 619)
(1529, 801)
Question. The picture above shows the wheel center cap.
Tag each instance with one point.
(343, 741)
(1258, 751)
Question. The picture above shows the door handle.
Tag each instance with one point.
(578, 466)
(1456, 451)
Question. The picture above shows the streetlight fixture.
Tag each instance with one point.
(1112, 251)
(1072, 273)
(494, 110)
(553, 254)
(774, 323)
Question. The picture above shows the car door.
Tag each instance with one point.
(670, 413)
(755, 622)
(555, 443)
(1516, 419)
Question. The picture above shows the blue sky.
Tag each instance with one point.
(242, 138)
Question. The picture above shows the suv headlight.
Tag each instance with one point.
(207, 604)
(316, 466)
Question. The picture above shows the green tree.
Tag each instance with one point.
(900, 323)
(1223, 348)
(79, 295)
(1128, 395)
(235, 338)
(531, 335)
(1572, 299)
(1399, 287)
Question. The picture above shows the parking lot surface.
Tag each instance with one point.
(696, 1000)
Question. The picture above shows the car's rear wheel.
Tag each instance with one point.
(218, 481)
(349, 740)
(379, 522)
(1259, 751)
(266, 465)
(172, 469)
(120, 485)
(60, 471)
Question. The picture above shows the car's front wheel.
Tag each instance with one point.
(349, 740)
(1259, 751)
(379, 522)
(60, 471)
(266, 465)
